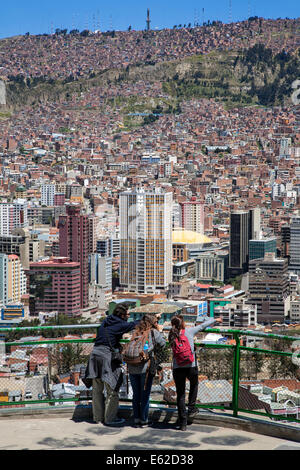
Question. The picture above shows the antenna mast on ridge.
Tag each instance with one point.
(148, 19)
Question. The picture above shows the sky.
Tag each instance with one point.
(38, 17)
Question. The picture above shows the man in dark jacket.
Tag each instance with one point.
(105, 373)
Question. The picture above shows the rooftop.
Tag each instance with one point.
(188, 236)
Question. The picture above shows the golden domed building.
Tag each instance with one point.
(188, 244)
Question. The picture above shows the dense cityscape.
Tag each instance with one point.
(120, 184)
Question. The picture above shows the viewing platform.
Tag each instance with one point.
(72, 428)
(245, 401)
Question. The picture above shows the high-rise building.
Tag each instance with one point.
(294, 249)
(13, 280)
(254, 223)
(74, 243)
(145, 240)
(244, 226)
(211, 266)
(59, 199)
(285, 236)
(27, 247)
(258, 248)
(239, 241)
(47, 194)
(104, 247)
(269, 288)
(100, 269)
(192, 215)
(100, 274)
(92, 221)
(55, 286)
(13, 215)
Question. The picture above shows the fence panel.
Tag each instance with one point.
(255, 373)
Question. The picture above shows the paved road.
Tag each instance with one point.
(64, 433)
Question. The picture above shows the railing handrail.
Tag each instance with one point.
(209, 330)
(235, 346)
(52, 327)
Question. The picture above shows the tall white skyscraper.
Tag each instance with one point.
(13, 215)
(100, 269)
(13, 282)
(47, 194)
(145, 240)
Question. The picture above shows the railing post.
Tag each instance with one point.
(236, 375)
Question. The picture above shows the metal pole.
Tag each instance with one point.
(236, 376)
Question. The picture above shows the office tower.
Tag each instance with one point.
(294, 252)
(104, 247)
(239, 241)
(92, 222)
(44, 215)
(285, 240)
(47, 194)
(100, 277)
(12, 279)
(100, 269)
(269, 288)
(258, 248)
(145, 240)
(74, 244)
(211, 266)
(244, 226)
(55, 286)
(192, 215)
(59, 199)
(27, 247)
(109, 246)
(13, 215)
(254, 223)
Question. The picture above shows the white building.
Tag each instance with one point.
(295, 309)
(13, 281)
(285, 147)
(47, 194)
(100, 268)
(13, 215)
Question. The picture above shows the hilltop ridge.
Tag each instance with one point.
(239, 63)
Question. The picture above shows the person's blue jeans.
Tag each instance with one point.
(141, 396)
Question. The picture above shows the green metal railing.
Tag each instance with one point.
(236, 349)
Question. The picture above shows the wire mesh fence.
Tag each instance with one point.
(45, 367)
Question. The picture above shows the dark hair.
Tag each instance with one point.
(120, 310)
(147, 322)
(177, 324)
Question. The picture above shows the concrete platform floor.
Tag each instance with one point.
(66, 433)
